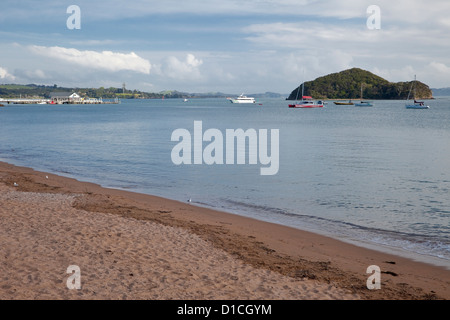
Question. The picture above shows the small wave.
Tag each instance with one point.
(413, 243)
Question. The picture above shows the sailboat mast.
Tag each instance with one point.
(298, 90)
(410, 89)
(303, 85)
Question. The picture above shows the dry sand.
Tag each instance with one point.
(134, 246)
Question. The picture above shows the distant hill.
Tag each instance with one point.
(267, 95)
(441, 92)
(347, 85)
(42, 91)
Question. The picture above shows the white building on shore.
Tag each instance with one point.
(65, 98)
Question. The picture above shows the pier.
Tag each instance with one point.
(24, 101)
(55, 102)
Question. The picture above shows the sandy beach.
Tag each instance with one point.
(134, 246)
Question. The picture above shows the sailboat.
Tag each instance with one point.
(416, 104)
(363, 103)
(307, 101)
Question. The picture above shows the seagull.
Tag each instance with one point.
(46, 177)
(190, 200)
(15, 184)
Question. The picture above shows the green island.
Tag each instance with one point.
(347, 84)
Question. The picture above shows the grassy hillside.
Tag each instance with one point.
(41, 91)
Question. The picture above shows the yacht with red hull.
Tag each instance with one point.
(307, 101)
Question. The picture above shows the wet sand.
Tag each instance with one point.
(136, 246)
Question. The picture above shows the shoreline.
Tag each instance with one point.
(381, 247)
(286, 251)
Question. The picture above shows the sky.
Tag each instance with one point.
(229, 46)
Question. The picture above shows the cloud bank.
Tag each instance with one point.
(182, 69)
(105, 60)
(223, 45)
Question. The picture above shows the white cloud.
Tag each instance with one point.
(314, 34)
(395, 48)
(282, 38)
(105, 60)
(4, 74)
(439, 73)
(440, 67)
(182, 69)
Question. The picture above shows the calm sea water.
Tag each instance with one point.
(378, 177)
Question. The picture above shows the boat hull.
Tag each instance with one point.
(305, 106)
(416, 107)
(242, 101)
(344, 103)
(363, 105)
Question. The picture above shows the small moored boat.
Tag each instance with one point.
(349, 103)
(363, 103)
(415, 104)
(307, 101)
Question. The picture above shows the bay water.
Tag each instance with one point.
(374, 176)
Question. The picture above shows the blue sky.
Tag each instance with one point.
(248, 46)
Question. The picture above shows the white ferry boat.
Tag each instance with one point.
(242, 99)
